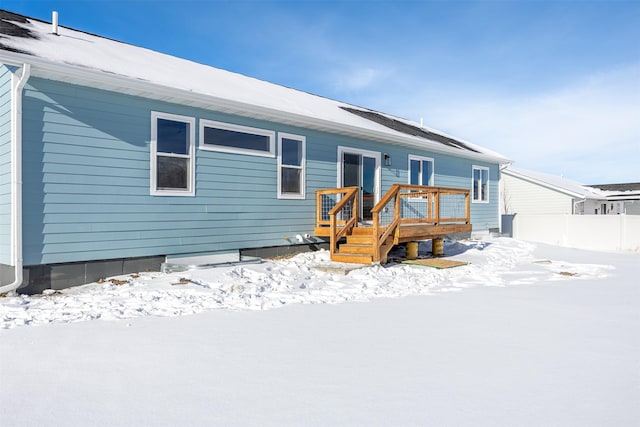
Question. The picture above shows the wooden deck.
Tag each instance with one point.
(406, 213)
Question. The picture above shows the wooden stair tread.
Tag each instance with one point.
(362, 231)
(363, 240)
(353, 248)
(353, 258)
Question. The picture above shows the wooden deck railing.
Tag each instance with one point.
(415, 205)
(405, 213)
(337, 207)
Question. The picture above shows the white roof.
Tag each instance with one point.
(81, 58)
(559, 183)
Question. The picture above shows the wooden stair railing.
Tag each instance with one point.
(415, 215)
(348, 197)
(381, 246)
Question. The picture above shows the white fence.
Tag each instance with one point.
(596, 232)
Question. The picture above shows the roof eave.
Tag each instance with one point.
(553, 187)
(124, 84)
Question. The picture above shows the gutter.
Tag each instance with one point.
(17, 84)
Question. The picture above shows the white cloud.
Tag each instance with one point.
(357, 77)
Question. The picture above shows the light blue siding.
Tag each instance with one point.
(87, 196)
(5, 164)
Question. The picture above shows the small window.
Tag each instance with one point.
(480, 185)
(421, 171)
(230, 138)
(172, 166)
(291, 166)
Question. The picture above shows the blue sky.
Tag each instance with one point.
(553, 85)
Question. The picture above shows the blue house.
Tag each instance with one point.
(116, 158)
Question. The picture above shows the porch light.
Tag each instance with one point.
(387, 159)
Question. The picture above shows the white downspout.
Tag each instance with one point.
(16, 176)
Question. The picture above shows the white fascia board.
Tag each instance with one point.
(123, 84)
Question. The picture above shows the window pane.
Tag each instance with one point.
(476, 184)
(291, 152)
(414, 165)
(485, 184)
(351, 170)
(368, 175)
(427, 171)
(172, 172)
(173, 137)
(235, 139)
(290, 180)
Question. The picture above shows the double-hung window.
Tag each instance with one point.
(421, 170)
(291, 166)
(232, 138)
(480, 184)
(172, 151)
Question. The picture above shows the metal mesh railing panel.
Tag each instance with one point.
(415, 208)
(329, 201)
(452, 206)
(387, 214)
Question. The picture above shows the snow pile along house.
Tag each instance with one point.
(115, 158)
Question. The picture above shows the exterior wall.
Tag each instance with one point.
(632, 207)
(86, 182)
(5, 165)
(524, 197)
(594, 207)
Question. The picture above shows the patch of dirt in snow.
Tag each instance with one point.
(295, 280)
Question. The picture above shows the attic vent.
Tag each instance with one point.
(54, 22)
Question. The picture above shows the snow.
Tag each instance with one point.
(271, 284)
(561, 182)
(524, 335)
(78, 50)
(88, 51)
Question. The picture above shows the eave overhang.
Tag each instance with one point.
(559, 189)
(104, 80)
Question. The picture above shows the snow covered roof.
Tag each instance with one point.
(81, 58)
(559, 183)
(576, 189)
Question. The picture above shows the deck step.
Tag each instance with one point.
(362, 231)
(352, 258)
(360, 239)
(353, 248)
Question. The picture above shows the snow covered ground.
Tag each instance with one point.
(524, 335)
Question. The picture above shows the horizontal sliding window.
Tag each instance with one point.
(172, 141)
(239, 139)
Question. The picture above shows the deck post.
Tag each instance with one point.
(332, 236)
(467, 202)
(375, 236)
(437, 207)
(318, 208)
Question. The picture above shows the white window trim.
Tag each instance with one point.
(302, 167)
(432, 178)
(473, 194)
(190, 191)
(237, 128)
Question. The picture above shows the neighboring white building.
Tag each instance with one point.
(621, 198)
(536, 193)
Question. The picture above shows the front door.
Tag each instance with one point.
(361, 169)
